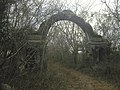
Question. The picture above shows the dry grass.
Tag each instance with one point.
(60, 78)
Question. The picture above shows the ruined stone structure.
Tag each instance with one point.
(95, 46)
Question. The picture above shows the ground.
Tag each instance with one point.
(76, 80)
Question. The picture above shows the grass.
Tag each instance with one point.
(37, 81)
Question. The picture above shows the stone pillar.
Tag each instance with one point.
(36, 42)
(100, 49)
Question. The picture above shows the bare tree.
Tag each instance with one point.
(68, 37)
(17, 20)
(108, 23)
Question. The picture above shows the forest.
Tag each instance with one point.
(59, 45)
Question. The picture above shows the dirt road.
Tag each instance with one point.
(75, 80)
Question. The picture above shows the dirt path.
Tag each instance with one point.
(75, 80)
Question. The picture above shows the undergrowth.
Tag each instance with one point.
(37, 81)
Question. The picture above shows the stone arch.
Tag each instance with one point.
(70, 16)
(93, 44)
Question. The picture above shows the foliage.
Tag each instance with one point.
(17, 20)
(65, 42)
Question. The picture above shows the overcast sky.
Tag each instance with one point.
(92, 5)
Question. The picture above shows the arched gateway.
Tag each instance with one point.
(96, 45)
